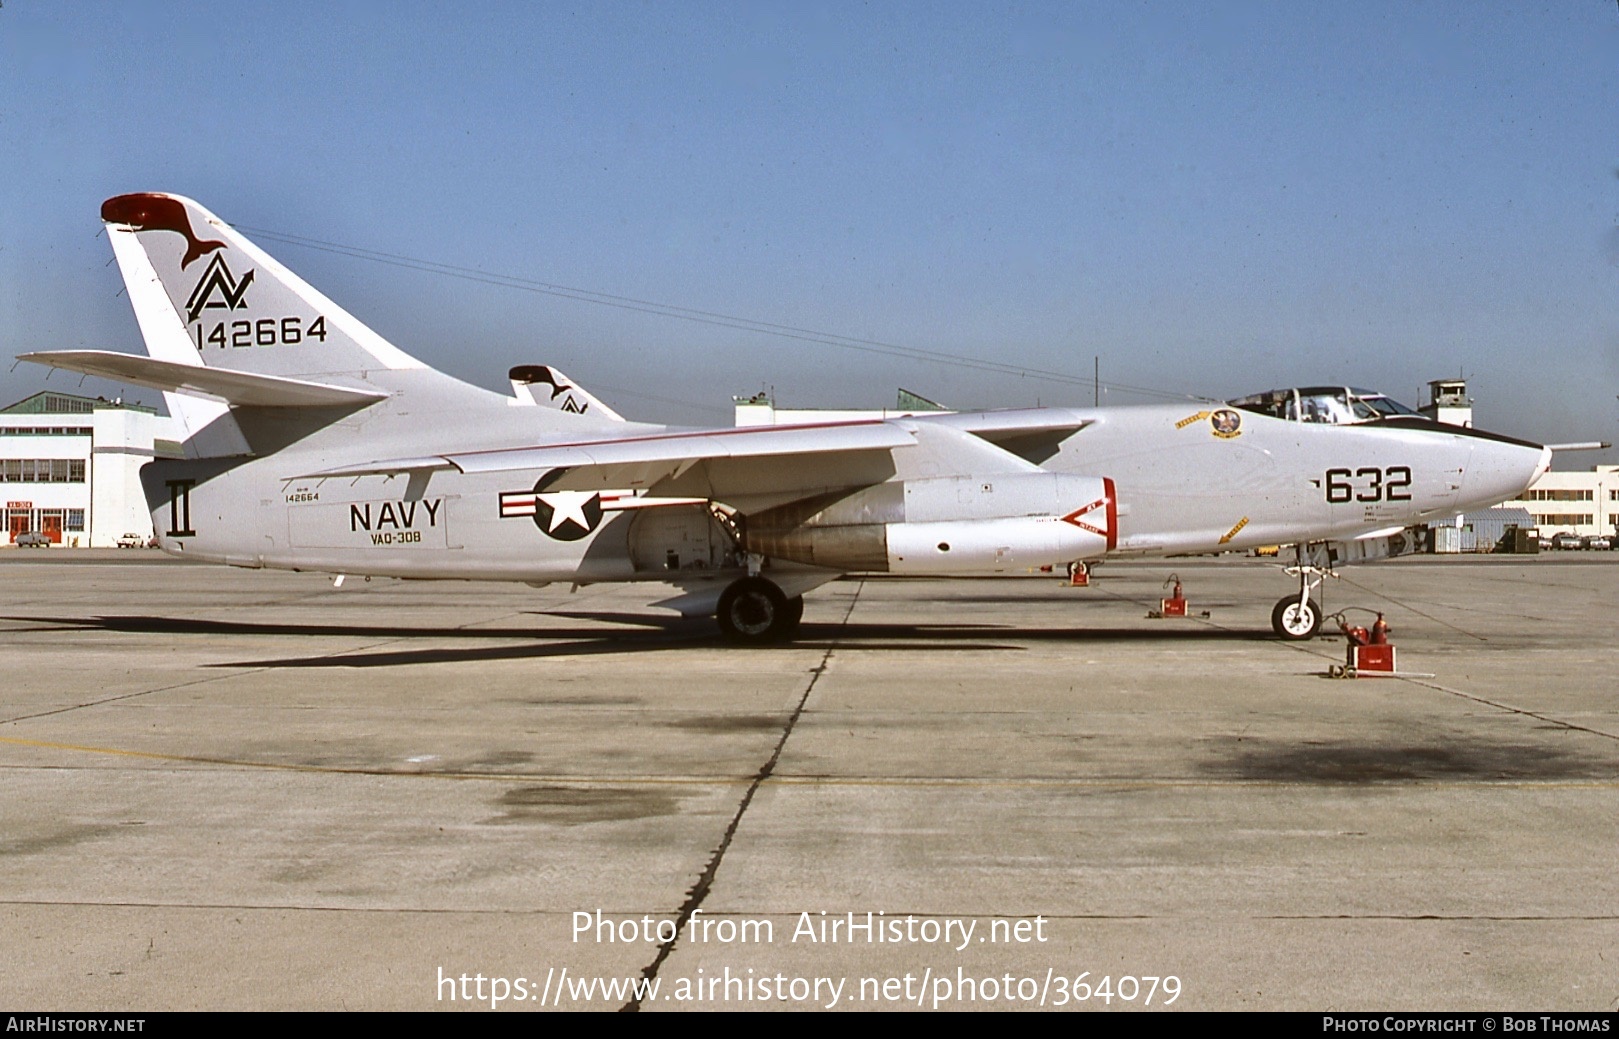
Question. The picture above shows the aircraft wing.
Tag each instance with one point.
(1033, 434)
(757, 467)
(220, 384)
(640, 461)
(992, 425)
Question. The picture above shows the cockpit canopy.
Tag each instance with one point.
(1333, 405)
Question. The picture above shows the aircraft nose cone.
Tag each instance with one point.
(1500, 470)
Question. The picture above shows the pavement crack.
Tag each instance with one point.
(243, 670)
(1524, 712)
(705, 880)
(120, 696)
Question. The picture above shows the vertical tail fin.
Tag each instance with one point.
(540, 385)
(207, 295)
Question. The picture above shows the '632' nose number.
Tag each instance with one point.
(1368, 484)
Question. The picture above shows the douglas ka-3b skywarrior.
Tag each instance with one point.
(311, 443)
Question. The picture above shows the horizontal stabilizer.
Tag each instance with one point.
(249, 389)
(639, 461)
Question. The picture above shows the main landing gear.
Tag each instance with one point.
(754, 611)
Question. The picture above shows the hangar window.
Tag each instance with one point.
(42, 470)
(45, 431)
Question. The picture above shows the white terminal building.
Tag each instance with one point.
(70, 468)
(1583, 503)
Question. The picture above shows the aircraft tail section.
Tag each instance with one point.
(540, 385)
(228, 327)
(204, 294)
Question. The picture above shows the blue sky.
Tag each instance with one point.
(1214, 198)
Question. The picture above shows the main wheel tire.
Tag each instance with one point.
(753, 611)
(793, 617)
(1294, 622)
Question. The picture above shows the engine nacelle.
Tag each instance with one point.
(1001, 522)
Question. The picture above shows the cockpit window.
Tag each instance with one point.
(1330, 405)
(1275, 403)
(1387, 406)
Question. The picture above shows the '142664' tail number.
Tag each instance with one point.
(1369, 484)
(269, 331)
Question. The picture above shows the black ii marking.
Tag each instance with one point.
(180, 508)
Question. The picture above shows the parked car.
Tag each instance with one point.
(31, 539)
(1598, 541)
(131, 540)
(1566, 540)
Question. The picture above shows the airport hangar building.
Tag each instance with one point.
(70, 468)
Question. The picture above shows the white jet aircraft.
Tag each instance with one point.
(311, 443)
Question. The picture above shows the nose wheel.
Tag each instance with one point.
(754, 611)
(1295, 619)
(1298, 616)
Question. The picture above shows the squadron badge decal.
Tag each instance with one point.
(217, 289)
(1226, 423)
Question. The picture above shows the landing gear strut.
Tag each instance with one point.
(754, 611)
(1298, 617)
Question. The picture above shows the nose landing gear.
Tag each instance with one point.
(1298, 617)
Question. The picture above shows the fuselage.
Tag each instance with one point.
(1186, 478)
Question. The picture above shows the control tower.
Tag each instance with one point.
(1448, 402)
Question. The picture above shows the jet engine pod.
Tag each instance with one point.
(1008, 521)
